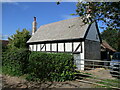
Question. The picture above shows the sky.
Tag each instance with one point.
(19, 15)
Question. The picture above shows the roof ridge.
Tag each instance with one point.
(59, 21)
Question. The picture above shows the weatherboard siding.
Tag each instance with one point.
(92, 50)
(93, 33)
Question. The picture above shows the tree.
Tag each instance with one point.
(19, 39)
(108, 12)
(111, 36)
(118, 41)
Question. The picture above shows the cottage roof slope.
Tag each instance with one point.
(66, 29)
(107, 46)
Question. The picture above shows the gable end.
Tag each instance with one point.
(92, 33)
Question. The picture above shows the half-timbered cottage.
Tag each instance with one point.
(67, 36)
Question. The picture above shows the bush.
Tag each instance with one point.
(15, 62)
(50, 66)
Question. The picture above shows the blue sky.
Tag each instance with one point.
(20, 14)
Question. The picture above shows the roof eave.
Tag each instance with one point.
(58, 41)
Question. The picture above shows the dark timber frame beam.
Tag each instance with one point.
(64, 46)
(77, 47)
(42, 46)
(58, 41)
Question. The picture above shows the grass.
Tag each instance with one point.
(107, 83)
(113, 80)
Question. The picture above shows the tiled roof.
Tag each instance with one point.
(107, 46)
(4, 42)
(66, 29)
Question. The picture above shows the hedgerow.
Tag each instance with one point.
(14, 62)
(38, 66)
(50, 66)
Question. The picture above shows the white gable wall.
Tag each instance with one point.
(93, 34)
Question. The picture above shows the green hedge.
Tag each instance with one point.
(15, 62)
(38, 66)
(50, 66)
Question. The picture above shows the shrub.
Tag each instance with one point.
(15, 62)
(50, 66)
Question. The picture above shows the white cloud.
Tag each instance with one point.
(10, 2)
(18, 4)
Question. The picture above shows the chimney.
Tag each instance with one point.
(34, 26)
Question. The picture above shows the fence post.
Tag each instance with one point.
(93, 65)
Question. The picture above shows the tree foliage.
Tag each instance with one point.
(111, 36)
(15, 62)
(19, 39)
(108, 12)
(118, 41)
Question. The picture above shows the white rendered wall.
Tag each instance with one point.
(30, 47)
(47, 47)
(60, 47)
(68, 47)
(76, 45)
(38, 47)
(34, 47)
(79, 59)
(82, 55)
(54, 47)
